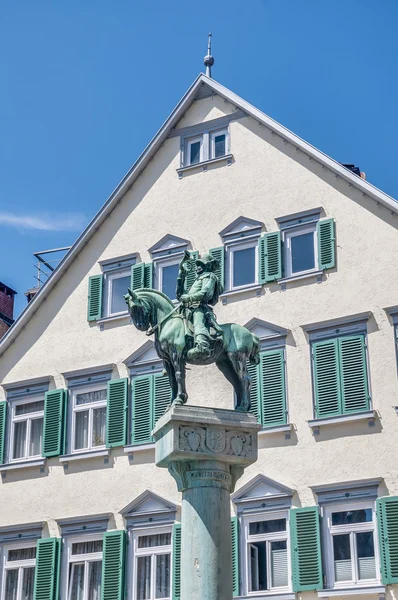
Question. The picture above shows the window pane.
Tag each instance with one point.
(342, 557)
(303, 256)
(162, 576)
(21, 554)
(169, 281)
(119, 289)
(81, 429)
(258, 567)
(11, 584)
(267, 526)
(76, 582)
(29, 407)
(19, 439)
(87, 547)
(366, 555)
(27, 583)
(194, 153)
(36, 436)
(219, 145)
(244, 267)
(88, 397)
(279, 576)
(94, 581)
(157, 539)
(348, 517)
(143, 578)
(99, 422)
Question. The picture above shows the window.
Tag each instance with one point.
(242, 265)
(152, 564)
(166, 277)
(19, 572)
(116, 285)
(340, 376)
(194, 150)
(351, 544)
(206, 146)
(26, 428)
(301, 251)
(267, 562)
(84, 568)
(88, 418)
(218, 144)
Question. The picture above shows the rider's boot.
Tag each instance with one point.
(201, 349)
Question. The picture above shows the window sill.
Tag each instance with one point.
(84, 455)
(268, 596)
(138, 448)
(315, 424)
(353, 591)
(317, 274)
(227, 158)
(286, 429)
(243, 290)
(115, 319)
(23, 464)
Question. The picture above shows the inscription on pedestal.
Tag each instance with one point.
(215, 441)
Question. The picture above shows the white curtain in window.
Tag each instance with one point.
(19, 439)
(27, 583)
(143, 577)
(94, 590)
(279, 567)
(11, 584)
(367, 568)
(99, 422)
(77, 582)
(36, 436)
(343, 570)
(81, 430)
(163, 576)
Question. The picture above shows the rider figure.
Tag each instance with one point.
(197, 303)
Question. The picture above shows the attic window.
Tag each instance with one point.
(208, 145)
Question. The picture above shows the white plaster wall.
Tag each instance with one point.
(268, 179)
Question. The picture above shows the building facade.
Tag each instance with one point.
(307, 255)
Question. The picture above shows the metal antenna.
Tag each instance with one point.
(208, 59)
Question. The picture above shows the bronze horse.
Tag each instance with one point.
(153, 312)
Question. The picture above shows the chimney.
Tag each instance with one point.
(6, 308)
(31, 293)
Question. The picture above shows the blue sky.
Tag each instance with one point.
(87, 83)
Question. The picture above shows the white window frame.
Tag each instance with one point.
(83, 407)
(29, 417)
(79, 558)
(175, 259)
(16, 564)
(288, 234)
(136, 552)
(188, 144)
(231, 249)
(279, 536)
(329, 530)
(109, 279)
(213, 135)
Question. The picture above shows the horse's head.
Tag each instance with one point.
(139, 309)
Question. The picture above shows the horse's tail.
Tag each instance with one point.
(254, 356)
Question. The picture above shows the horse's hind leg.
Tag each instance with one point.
(178, 365)
(239, 363)
(172, 378)
(228, 369)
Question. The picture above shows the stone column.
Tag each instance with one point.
(206, 451)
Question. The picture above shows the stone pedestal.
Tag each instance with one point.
(206, 451)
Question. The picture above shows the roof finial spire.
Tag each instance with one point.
(209, 60)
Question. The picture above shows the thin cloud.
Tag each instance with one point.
(44, 222)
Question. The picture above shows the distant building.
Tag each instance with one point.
(6, 308)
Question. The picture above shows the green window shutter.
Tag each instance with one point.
(326, 378)
(113, 565)
(354, 376)
(3, 419)
(54, 423)
(46, 584)
(176, 582)
(235, 555)
(326, 244)
(270, 257)
(191, 275)
(162, 396)
(255, 390)
(273, 388)
(142, 409)
(116, 413)
(218, 253)
(306, 549)
(94, 309)
(148, 275)
(137, 276)
(387, 516)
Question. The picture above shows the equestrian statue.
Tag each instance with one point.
(188, 333)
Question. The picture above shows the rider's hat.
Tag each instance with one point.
(206, 261)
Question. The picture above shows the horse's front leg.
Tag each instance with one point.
(169, 368)
(179, 370)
